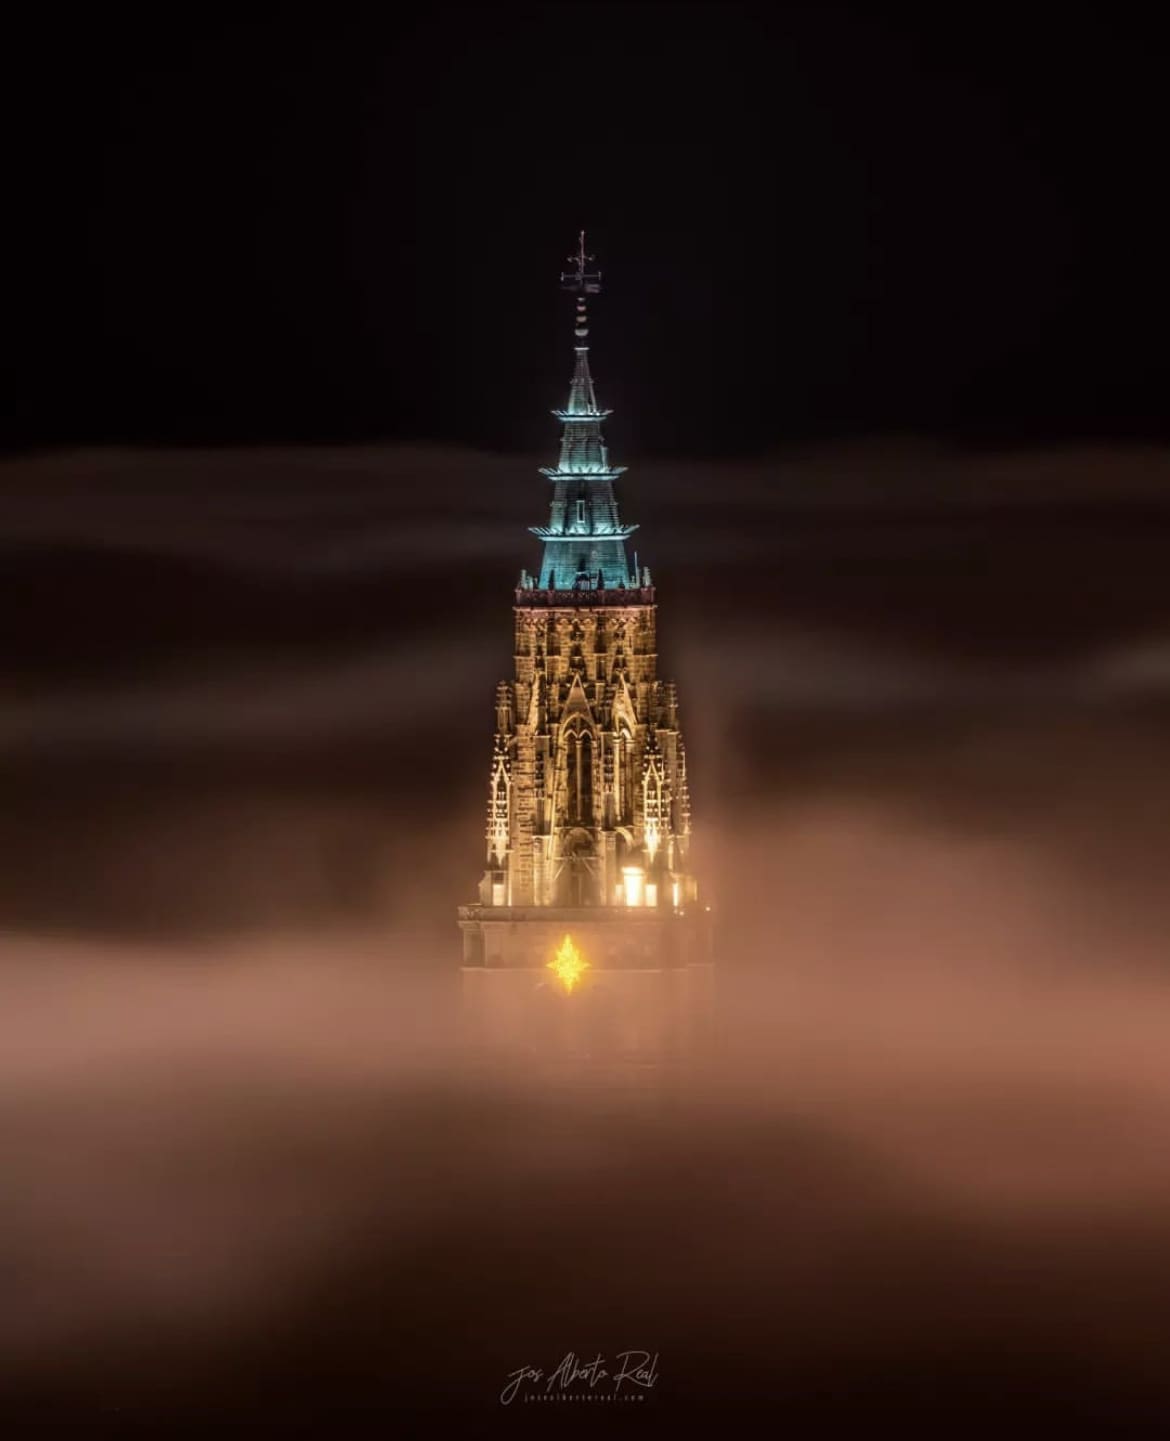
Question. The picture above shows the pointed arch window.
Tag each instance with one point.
(624, 780)
(579, 763)
(499, 810)
(582, 779)
(654, 807)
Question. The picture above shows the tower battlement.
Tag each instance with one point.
(582, 598)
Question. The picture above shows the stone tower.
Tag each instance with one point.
(589, 824)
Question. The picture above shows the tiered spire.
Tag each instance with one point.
(584, 541)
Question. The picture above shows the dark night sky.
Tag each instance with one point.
(813, 223)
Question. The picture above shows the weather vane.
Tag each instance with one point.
(579, 279)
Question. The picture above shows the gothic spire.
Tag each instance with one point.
(584, 542)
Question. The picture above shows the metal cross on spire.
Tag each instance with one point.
(579, 279)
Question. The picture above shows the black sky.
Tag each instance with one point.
(814, 222)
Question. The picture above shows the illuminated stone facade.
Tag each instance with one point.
(589, 823)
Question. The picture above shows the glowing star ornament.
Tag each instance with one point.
(568, 964)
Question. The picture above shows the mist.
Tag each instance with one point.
(254, 1171)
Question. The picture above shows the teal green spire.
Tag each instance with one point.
(582, 448)
(584, 541)
(582, 400)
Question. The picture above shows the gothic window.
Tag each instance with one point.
(579, 777)
(653, 809)
(625, 776)
(498, 810)
(585, 771)
(580, 512)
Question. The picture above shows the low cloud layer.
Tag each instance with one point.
(251, 1168)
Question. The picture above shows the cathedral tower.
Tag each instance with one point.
(588, 934)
